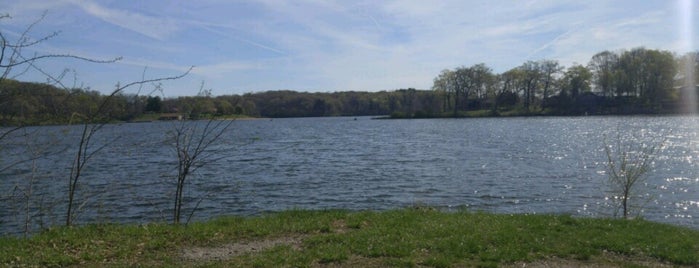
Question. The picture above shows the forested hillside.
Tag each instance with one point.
(637, 81)
(35, 104)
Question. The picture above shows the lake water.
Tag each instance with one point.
(502, 165)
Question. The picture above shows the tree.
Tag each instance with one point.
(193, 143)
(444, 86)
(506, 88)
(460, 79)
(458, 85)
(12, 57)
(549, 69)
(531, 76)
(93, 122)
(603, 67)
(223, 107)
(627, 165)
(480, 79)
(659, 79)
(576, 80)
(153, 104)
(92, 110)
(648, 76)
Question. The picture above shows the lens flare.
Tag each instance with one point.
(689, 92)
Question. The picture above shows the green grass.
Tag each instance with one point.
(400, 238)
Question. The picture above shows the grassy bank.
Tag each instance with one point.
(404, 238)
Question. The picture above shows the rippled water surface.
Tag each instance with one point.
(504, 165)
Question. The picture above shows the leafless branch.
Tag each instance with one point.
(35, 58)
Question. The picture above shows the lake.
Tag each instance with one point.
(501, 165)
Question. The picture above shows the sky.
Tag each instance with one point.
(239, 46)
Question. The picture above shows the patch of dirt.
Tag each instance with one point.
(228, 251)
(353, 261)
(339, 226)
(231, 250)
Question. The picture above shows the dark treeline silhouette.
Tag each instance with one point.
(637, 81)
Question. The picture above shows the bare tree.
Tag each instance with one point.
(30, 210)
(627, 166)
(193, 142)
(92, 124)
(14, 62)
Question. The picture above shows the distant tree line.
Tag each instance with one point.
(625, 82)
(285, 103)
(37, 103)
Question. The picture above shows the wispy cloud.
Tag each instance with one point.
(325, 22)
(153, 27)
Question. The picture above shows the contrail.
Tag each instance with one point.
(208, 28)
(547, 45)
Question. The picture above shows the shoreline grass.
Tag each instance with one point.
(403, 238)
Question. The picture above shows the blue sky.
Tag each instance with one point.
(238, 47)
